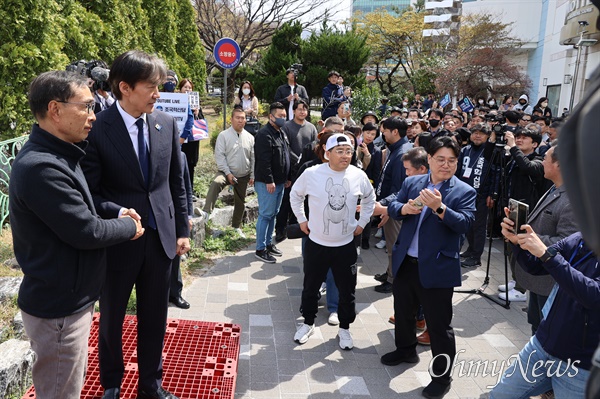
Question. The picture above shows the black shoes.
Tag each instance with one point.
(180, 302)
(365, 245)
(470, 262)
(395, 358)
(160, 393)
(265, 256)
(435, 390)
(382, 278)
(273, 250)
(384, 288)
(111, 393)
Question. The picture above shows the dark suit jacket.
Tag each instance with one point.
(115, 178)
(439, 240)
(552, 220)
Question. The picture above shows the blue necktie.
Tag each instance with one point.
(144, 165)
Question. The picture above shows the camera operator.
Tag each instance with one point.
(289, 93)
(97, 73)
(333, 95)
(525, 182)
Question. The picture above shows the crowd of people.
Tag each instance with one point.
(428, 182)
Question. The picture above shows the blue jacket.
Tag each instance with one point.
(333, 95)
(393, 175)
(572, 328)
(439, 240)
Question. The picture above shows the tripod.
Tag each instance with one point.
(497, 159)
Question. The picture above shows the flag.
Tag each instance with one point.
(200, 129)
(466, 105)
(445, 101)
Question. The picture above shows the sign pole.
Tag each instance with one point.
(224, 99)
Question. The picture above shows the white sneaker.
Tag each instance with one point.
(380, 244)
(303, 333)
(511, 286)
(379, 233)
(513, 296)
(346, 342)
(240, 233)
(333, 319)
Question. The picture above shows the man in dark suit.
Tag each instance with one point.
(435, 209)
(133, 161)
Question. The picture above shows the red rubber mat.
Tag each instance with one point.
(199, 360)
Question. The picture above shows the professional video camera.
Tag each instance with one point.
(97, 70)
(499, 127)
(297, 68)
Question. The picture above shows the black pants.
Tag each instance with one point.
(476, 233)
(191, 151)
(285, 215)
(176, 281)
(318, 259)
(437, 306)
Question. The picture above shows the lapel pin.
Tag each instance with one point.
(158, 127)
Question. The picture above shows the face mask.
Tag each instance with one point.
(492, 102)
(434, 122)
(480, 101)
(169, 87)
(544, 104)
(279, 121)
(246, 91)
(404, 103)
(522, 102)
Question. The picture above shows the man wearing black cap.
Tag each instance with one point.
(290, 92)
(369, 117)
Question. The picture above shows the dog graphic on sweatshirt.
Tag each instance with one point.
(336, 210)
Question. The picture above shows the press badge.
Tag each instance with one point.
(467, 173)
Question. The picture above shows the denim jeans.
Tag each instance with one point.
(268, 206)
(564, 378)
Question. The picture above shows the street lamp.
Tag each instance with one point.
(581, 43)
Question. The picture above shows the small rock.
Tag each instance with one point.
(9, 287)
(15, 367)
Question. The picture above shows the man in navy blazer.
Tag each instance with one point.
(435, 209)
(133, 162)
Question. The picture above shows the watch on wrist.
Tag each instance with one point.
(440, 210)
(549, 254)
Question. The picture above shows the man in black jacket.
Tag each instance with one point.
(289, 93)
(271, 176)
(59, 240)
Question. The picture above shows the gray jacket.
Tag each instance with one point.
(552, 219)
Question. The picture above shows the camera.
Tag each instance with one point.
(296, 68)
(97, 70)
(500, 130)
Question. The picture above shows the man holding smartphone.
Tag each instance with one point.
(234, 155)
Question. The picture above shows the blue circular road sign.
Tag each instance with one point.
(227, 53)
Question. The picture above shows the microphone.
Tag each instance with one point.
(100, 74)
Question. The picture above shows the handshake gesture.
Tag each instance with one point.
(132, 213)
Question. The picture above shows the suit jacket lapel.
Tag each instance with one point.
(155, 133)
(117, 133)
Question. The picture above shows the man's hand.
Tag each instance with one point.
(270, 188)
(410, 209)
(358, 231)
(296, 96)
(251, 182)
(531, 242)
(304, 228)
(183, 245)
(288, 183)
(102, 93)
(290, 97)
(139, 230)
(510, 139)
(431, 199)
(230, 178)
(384, 220)
(132, 213)
(379, 209)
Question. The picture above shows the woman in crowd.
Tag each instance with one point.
(507, 103)
(189, 146)
(542, 105)
(247, 99)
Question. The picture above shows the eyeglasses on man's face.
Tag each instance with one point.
(441, 161)
(89, 107)
(341, 152)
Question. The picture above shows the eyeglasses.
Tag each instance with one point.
(89, 107)
(526, 120)
(344, 152)
(442, 161)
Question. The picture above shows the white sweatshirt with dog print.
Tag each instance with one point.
(332, 200)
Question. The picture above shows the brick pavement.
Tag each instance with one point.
(265, 298)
